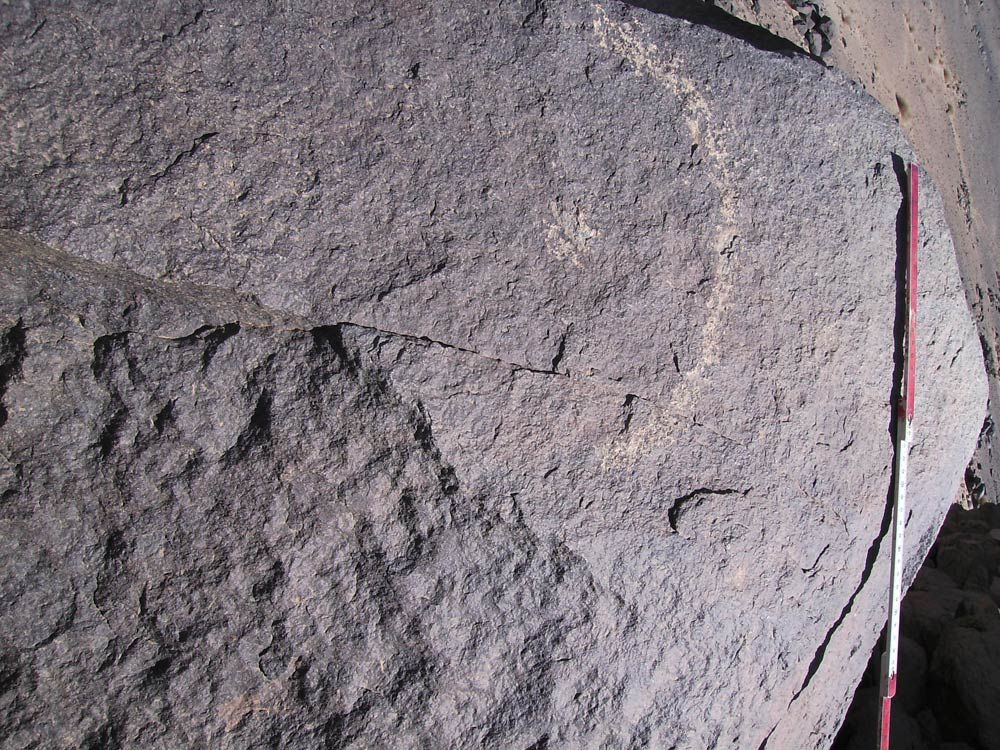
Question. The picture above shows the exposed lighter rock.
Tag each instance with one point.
(447, 375)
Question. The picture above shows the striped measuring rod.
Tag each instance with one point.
(904, 431)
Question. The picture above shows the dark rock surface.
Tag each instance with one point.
(934, 64)
(949, 676)
(443, 375)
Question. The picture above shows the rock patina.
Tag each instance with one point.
(450, 375)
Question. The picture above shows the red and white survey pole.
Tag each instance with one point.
(904, 431)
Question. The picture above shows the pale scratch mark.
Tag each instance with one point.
(569, 236)
(709, 135)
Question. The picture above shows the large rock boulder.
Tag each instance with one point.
(441, 375)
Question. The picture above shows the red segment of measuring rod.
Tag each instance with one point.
(886, 708)
(911, 292)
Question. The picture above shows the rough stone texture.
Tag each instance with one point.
(966, 674)
(934, 64)
(450, 375)
(949, 658)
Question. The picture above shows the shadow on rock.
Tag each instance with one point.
(949, 656)
(705, 14)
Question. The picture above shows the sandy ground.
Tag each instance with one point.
(932, 63)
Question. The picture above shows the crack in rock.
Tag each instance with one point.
(181, 156)
(695, 497)
(12, 354)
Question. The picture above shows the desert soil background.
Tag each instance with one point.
(933, 64)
